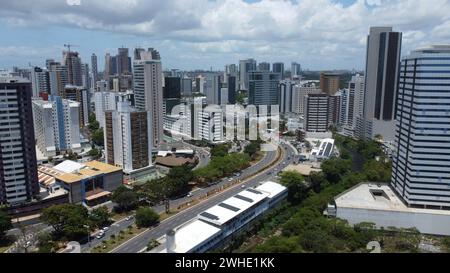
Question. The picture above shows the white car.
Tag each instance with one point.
(129, 218)
(100, 235)
(105, 229)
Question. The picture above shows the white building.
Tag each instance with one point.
(104, 101)
(40, 81)
(209, 124)
(421, 162)
(220, 222)
(56, 126)
(298, 97)
(355, 105)
(148, 91)
(379, 204)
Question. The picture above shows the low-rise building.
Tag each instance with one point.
(90, 183)
(217, 224)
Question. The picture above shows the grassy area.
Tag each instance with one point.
(6, 243)
(117, 240)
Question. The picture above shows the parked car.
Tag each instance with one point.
(100, 235)
(105, 229)
(129, 218)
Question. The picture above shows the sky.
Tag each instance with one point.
(204, 34)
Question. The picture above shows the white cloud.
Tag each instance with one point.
(273, 29)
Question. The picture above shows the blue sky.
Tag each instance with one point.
(199, 34)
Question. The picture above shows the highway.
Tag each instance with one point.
(140, 242)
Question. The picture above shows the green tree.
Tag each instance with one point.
(125, 198)
(100, 217)
(45, 243)
(98, 137)
(220, 150)
(335, 168)
(5, 223)
(146, 217)
(67, 220)
(95, 153)
(298, 190)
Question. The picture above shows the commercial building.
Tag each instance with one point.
(264, 66)
(186, 86)
(215, 226)
(421, 161)
(377, 203)
(317, 115)
(90, 183)
(245, 66)
(278, 68)
(58, 77)
(94, 67)
(18, 166)
(172, 88)
(210, 124)
(56, 126)
(263, 88)
(295, 70)
(329, 83)
(128, 138)
(148, 91)
(381, 80)
(213, 94)
(80, 95)
(286, 92)
(355, 105)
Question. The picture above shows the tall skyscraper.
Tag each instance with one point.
(420, 172)
(94, 66)
(355, 103)
(382, 66)
(213, 94)
(80, 95)
(264, 66)
(295, 69)
(172, 88)
(186, 86)
(278, 68)
(40, 81)
(123, 62)
(58, 77)
(18, 166)
(148, 90)
(329, 83)
(56, 125)
(232, 88)
(74, 70)
(108, 66)
(244, 67)
(128, 142)
(299, 94)
(263, 88)
(286, 96)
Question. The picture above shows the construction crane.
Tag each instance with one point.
(70, 46)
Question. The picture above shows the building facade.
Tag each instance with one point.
(421, 163)
(381, 80)
(329, 83)
(263, 88)
(18, 166)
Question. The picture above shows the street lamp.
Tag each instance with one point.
(89, 234)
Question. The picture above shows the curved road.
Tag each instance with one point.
(140, 242)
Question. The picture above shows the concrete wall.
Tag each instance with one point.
(112, 181)
(437, 224)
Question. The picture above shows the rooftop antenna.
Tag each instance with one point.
(70, 46)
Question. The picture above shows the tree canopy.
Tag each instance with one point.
(67, 220)
(146, 217)
(5, 223)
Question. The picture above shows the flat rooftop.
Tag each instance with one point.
(232, 207)
(374, 196)
(272, 188)
(192, 234)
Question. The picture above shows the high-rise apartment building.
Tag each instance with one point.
(263, 88)
(104, 101)
(94, 67)
(148, 90)
(40, 81)
(128, 138)
(80, 95)
(58, 77)
(56, 125)
(421, 162)
(298, 97)
(317, 114)
(329, 83)
(18, 166)
(286, 96)
(382, 66)
(74, 68)
(123, 61)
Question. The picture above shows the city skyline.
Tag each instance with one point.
(207, 34)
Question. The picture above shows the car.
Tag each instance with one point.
(100, 235)
(243, 186)
(231, 179)
(105, 229)
(189, 195)
(28, 244)
(129, 218)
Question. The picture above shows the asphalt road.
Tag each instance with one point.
(140, 242)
